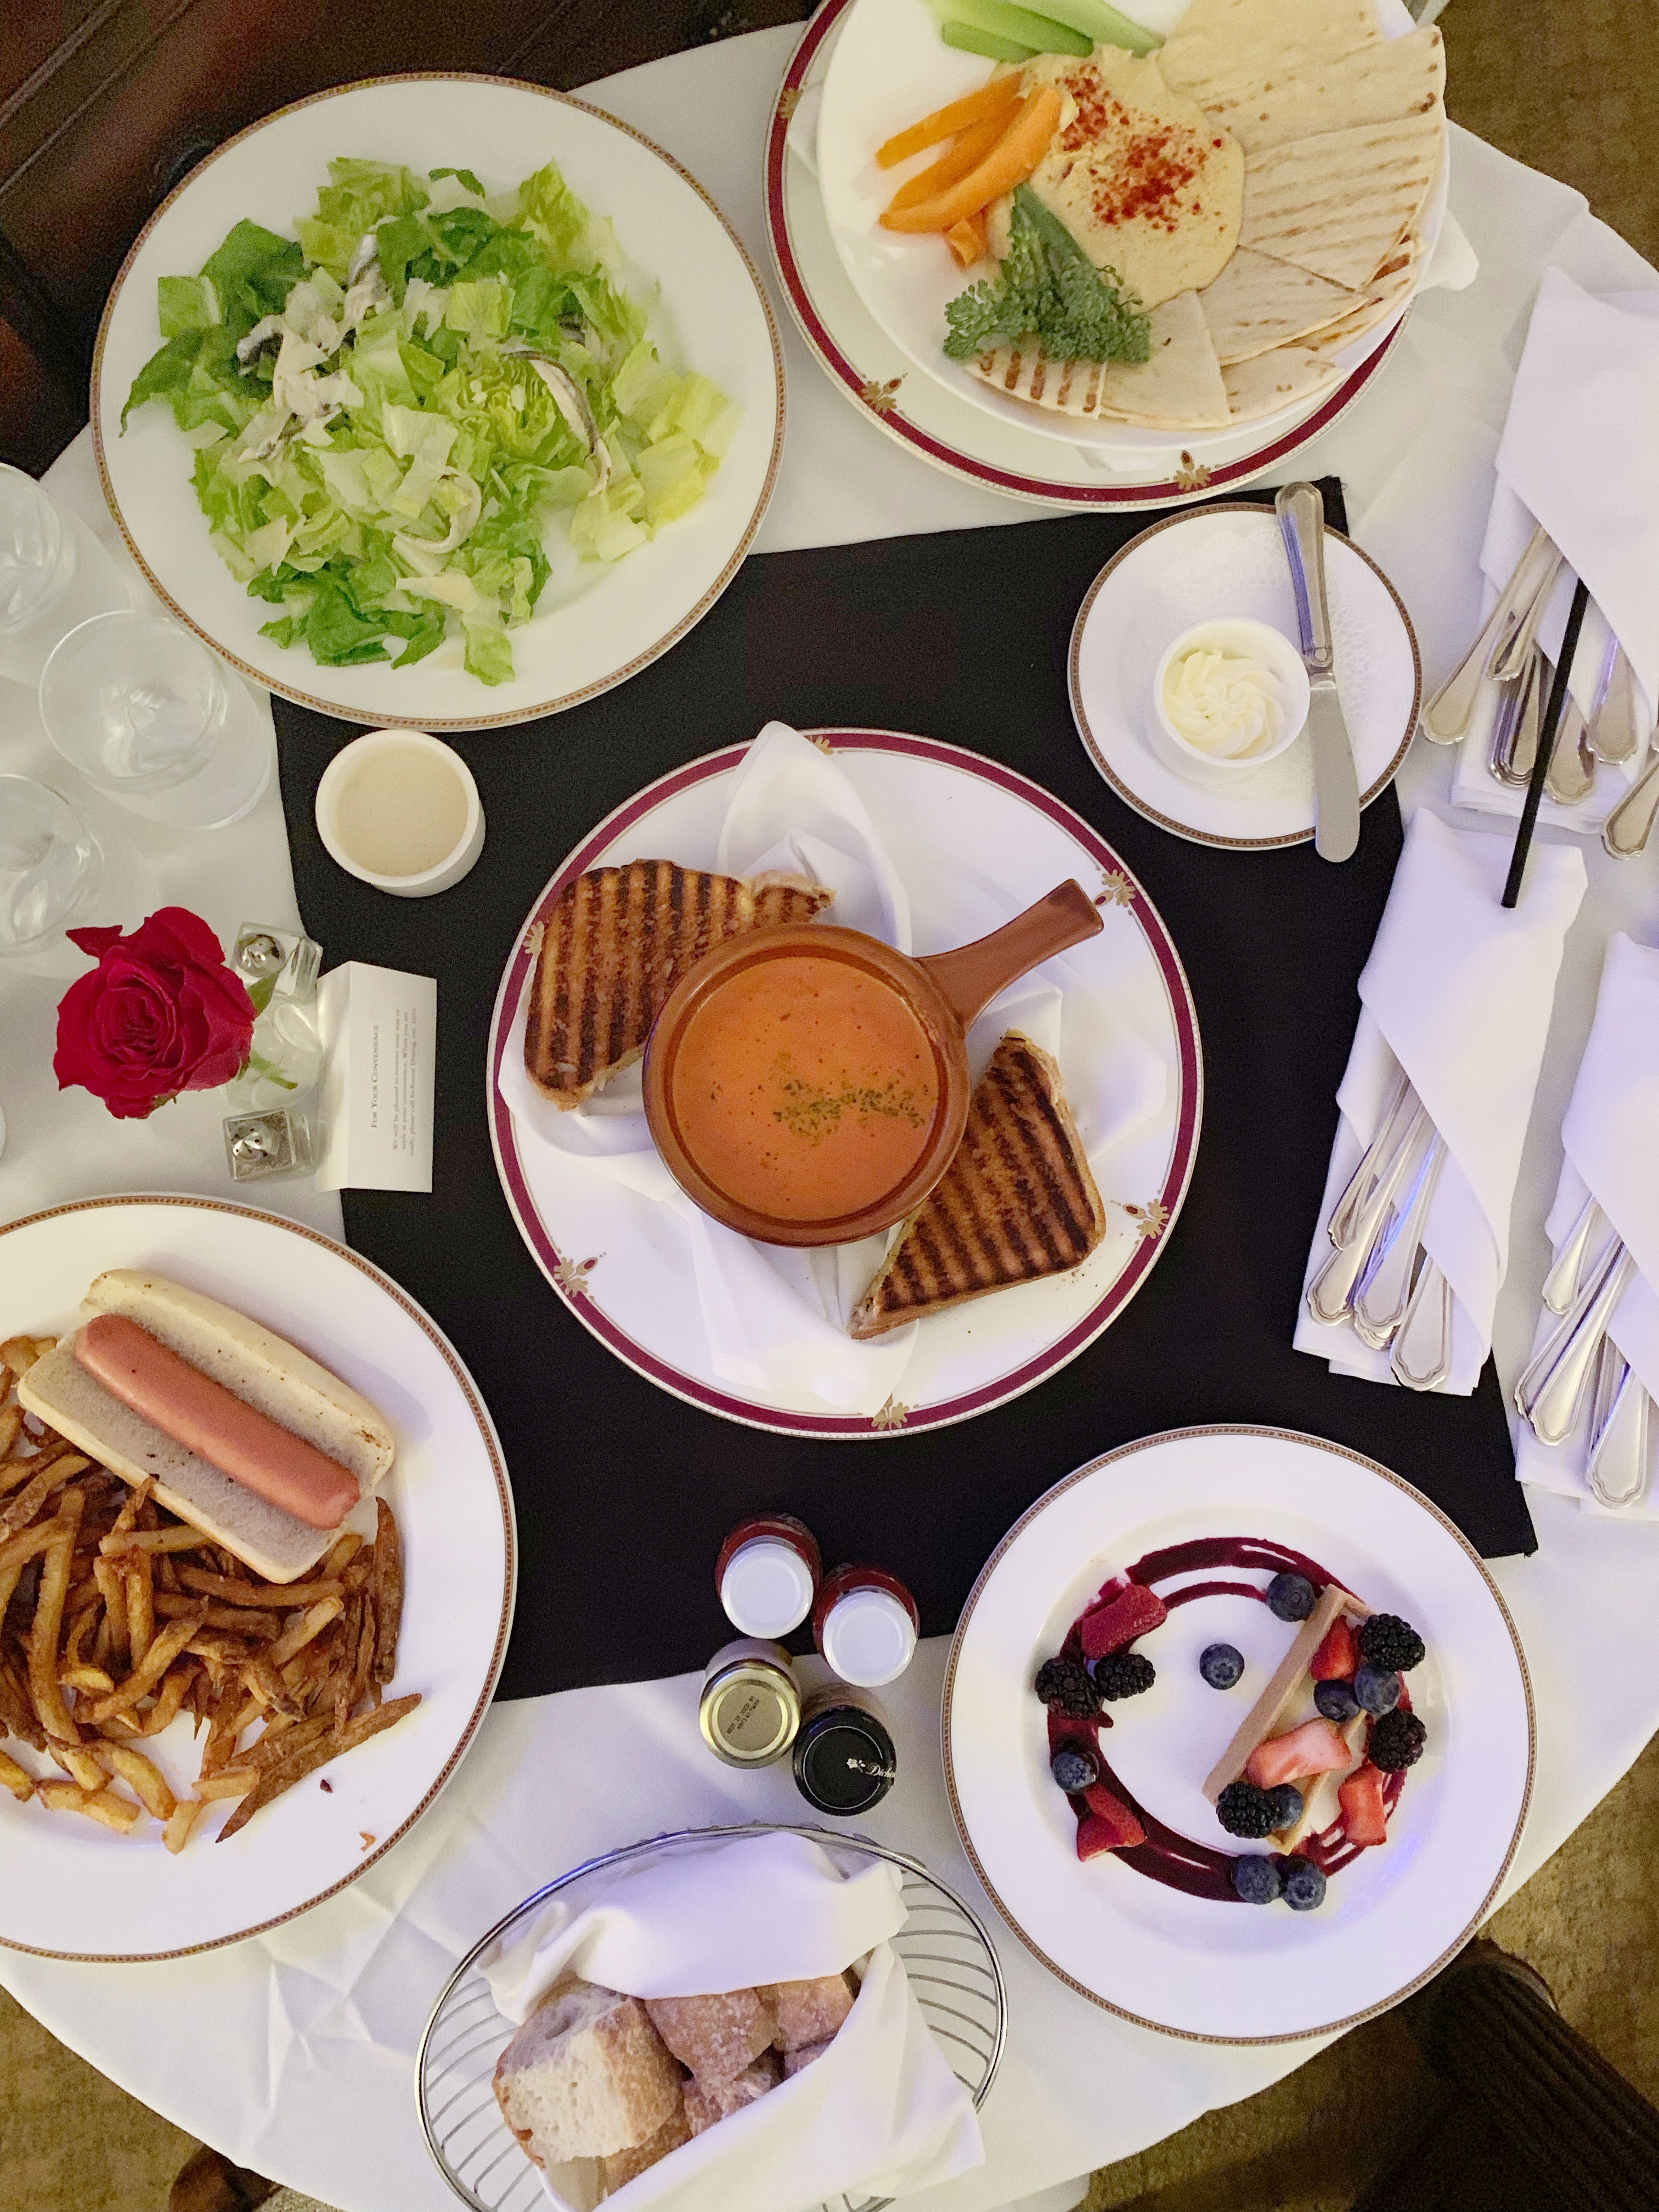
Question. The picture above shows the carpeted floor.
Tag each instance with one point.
(1572, 90)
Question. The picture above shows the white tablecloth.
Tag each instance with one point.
(292, 2053)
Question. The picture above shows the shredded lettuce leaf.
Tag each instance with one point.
(376, 454)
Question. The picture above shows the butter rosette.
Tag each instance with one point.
(880, 2113)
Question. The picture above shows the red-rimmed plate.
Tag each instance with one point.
(922, 413)
(961, 832)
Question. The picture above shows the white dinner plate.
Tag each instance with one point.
(960, 830)
(595, 623)
(952, 429)
(1230, 561)
(1221, 1971)
(73, 1890)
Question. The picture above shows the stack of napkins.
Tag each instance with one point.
(1456, 993)
(1580, 455)
(1610, 1144)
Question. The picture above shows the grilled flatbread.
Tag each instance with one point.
(1265, 97)
(1017, 1202)
(1338, 203)
(617, 941)
(1269, 381)
(1257, 303)
(1181, 385)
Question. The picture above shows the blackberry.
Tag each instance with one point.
(1123, 1674)
(1378, 1688)
(1286, 1804)
(1245, 1810)
(1336, 1700)
(1389, 1642)
(1221, 1665)
(1065, 1687)
(1397, 1740)
(1304, 1884)
(1256, 1880)
(1291, 1597)
(1074, 1768)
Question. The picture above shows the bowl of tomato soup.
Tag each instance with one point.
(808, 1084)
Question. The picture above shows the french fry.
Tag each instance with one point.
(289, 1596)
(283, 1775)
(48, 1619)
(310, 1624)
(229, 1782)
(141, 1604)
(388, 1591)
(263, 1682)
(152, 1540)
(181, 1821)
(113, 1587)
(16, 1778)
(175, 1684)
(117, 1812)
(235, 1619)
(11, 1420)
(138, 1496)
(145, 1677)
(344, 1550)
(233, 1712)
(18, 1353)
(34, 1495)
(15, 1710)
(147, 1781)
(14, 1555)
(79, 1765)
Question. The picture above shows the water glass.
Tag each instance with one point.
(54, 575)
(52, 869)
(151, 718)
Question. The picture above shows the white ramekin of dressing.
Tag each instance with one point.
(1227, 696)
(400, 810)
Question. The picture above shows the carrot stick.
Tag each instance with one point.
(945, 122)
(968, 151)
(1009, 162)
(966, 239)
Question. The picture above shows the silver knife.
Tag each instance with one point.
(1336, 787)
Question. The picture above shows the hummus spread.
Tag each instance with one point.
(1148, 186)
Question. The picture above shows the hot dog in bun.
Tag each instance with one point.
(247, 1437)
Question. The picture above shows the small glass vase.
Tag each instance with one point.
(272, 1133)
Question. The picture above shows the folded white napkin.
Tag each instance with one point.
(880, 2113)
(1608, 1142)
(775, 1317)
(1457, 993)
(1580, 455)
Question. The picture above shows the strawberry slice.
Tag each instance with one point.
(1096, 1836)
(1365, 1818)
(1133, 1612)
(1112, 1812)
(1316, 1747)
(1336, 1656)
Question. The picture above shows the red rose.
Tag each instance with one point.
(160, 1013)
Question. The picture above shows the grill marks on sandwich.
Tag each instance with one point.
(1018, 1203)
(617, 942)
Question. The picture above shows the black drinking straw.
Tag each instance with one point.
(1540, 766)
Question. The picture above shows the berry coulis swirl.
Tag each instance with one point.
(1200, 1870)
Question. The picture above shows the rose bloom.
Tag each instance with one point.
(160, 1013)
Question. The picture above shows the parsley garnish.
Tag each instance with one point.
(1048, 289)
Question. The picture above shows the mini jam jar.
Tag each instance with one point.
(844, 1759)
(751, 1705)
(866, 1624)
(767, 1574)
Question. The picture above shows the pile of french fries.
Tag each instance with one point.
(116, 1617)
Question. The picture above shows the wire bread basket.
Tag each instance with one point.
(947, 1955)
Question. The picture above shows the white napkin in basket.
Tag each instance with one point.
(1457, 992)
(1610, 1140)
(879, 2114)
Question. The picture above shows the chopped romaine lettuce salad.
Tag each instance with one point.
(385, 412)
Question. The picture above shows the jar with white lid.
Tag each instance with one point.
(866, 1624)
(749, 1710)
(767, 1574)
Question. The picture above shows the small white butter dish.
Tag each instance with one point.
(400, 810)
(1248, 639)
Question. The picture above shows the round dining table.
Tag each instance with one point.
(293, 2052)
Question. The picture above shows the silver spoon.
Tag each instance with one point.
(1549, 1393)
(1447, 714)
(1630, 825)
(1618, 1469)
(1614, 736)
(1384, 1290)
(1572, 772)
(1422, 1344)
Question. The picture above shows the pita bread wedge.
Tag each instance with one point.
(1338, 204)
(1242, 25)
(1283, 378)
(1179, 387)
(1257, 303)
(1271, 97)
(1380, 298)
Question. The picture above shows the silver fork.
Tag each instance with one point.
(1519, 719)
(1550, 1391)
(1620, 1422)
(1614, 731)
(1331, 1293)
(1571, 776)
(1384, 1290)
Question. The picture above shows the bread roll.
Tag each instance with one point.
(807, 2012)
(714, 2036)
(709, 2101)
(585, 2077)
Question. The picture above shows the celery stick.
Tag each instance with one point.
(968, 40)
(1097, 21)
(1021, 27)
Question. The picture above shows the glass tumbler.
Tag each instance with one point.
(153, 719)
(51, 870)
(54, 574)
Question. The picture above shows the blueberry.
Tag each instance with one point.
(1074, 1769)
(1291, 1597)
(1336, 1700)
(1304, 1886)
(1285, 1803)
(1256, 1880)
(1378, 1688)
(1221, 1665)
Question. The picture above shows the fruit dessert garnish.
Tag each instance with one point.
(1315, 1768)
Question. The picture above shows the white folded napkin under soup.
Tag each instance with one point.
(1610, 1144)
(776, 1316)
(1457, 994)
(1580, 455)
(879, 2114)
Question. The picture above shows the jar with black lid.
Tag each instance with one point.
(844, 1759)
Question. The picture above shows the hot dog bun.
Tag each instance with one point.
(260, 1368)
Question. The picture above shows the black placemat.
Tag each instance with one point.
(624, 1492)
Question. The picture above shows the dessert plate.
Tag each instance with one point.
(74, 1891)
(594, 624)
(949, 428)
(1230, 560)
(625, 1265)
(1213, 1969)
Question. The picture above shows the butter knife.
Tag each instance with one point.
(1336, 787)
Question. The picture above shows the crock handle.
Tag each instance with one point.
(970, 977)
